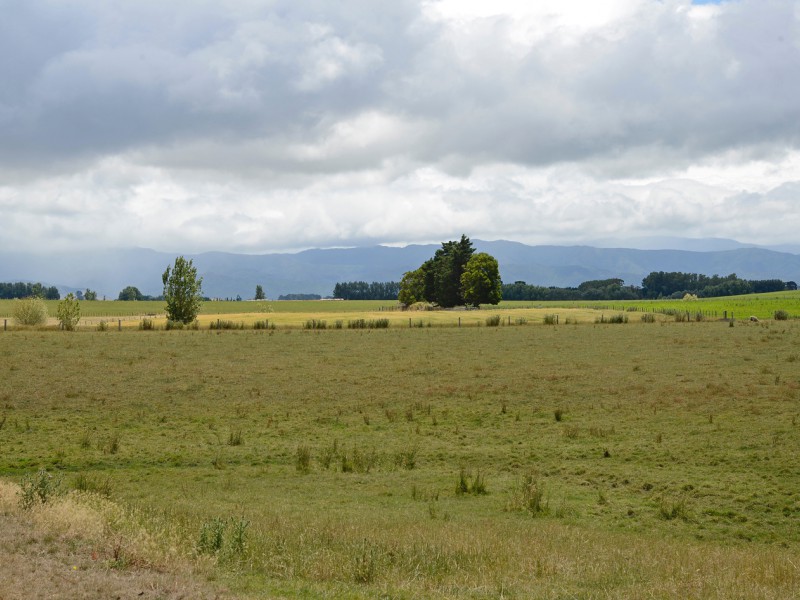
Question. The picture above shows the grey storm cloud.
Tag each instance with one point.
(83, 79)
(358, 120)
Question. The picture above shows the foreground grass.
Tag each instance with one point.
(629, 460)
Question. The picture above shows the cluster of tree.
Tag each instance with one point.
(675, 284)
(87, 295)
(21, 289)
(361, 290)
(132, 293)
(455, 276)
(299, 297)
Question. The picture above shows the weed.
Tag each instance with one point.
(39, 488)
(315, 324)
(235, 438)
(146, 325)
(550, 319)
(558, 414)
(493, 321)
(648, 318)
(212, 536)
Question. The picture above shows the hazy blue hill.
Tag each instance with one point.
(317, 271)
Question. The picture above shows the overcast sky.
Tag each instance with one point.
(260, 126)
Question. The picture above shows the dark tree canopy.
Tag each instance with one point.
(131, 293)
(361, 290)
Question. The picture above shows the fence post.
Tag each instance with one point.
(556, 319)
(5, 324)
(459, 321)
(409, 322)
(119, 324)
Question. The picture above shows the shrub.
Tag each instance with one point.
(493, 321)
(170, 325)
(648, 318)
(102, 326)
(30, 311)
(146, 325)
(781, 315)
(549, 320)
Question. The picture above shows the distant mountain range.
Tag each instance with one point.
(227, 275)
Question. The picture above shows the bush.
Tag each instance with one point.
(102, 326)
(30, 311)
(146, 325)
(648, 318)
(69, 312)
(781, 315)
(493, 321)
(549, 320)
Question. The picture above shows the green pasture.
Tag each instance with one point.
(584, 460)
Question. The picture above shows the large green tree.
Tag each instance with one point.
(260, 293)
(182, 291)
(438, 280)
(480, 281)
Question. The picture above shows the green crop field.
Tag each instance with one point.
(585, 460)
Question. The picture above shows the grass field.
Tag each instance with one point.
(297, 313)
(583, 460)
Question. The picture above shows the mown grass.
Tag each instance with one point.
(669, 472)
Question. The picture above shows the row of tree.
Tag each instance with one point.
(20, 289)
(655, 285)
(361, 290)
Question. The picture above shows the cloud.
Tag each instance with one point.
(258, 126)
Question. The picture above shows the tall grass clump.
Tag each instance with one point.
(648, 318)
(529, 496)
(493, 321)
(549, 320)
(315, 324)
(146, 325)
(30, 311)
